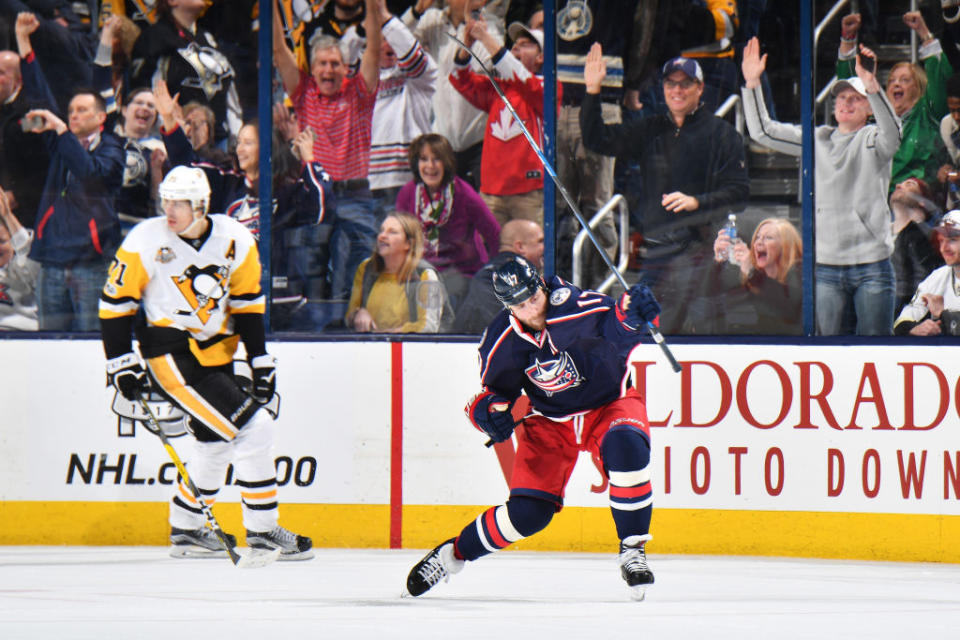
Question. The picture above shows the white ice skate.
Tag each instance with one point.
(437, 565)
(634, 569)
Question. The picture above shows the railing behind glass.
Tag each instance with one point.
(623, 229)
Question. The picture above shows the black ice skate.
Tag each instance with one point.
(634, 569)
(291, 545)
(197, 543)
(437, 565)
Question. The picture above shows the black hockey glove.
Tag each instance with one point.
(640, 306)
(127, 376)
(490, 413)
(264, 377)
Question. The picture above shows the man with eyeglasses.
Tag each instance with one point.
(693, 168)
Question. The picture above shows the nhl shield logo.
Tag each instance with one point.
(558, 374)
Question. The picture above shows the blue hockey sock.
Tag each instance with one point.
(498, 527)
(626, 458)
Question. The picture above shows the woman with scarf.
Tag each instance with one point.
(459, 231)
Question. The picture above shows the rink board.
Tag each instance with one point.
(823, 451)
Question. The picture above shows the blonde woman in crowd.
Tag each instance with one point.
(762, 291)
(395, 290)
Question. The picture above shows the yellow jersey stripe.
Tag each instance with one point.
(245, 279)
(168, 377)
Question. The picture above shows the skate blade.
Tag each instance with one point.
(303, 555)
(256, 558)
(192, 552)
(285, 557)
(638, 593)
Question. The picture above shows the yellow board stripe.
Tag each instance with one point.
(165, 372)
(859, 536)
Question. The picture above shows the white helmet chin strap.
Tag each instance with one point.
(197, 218)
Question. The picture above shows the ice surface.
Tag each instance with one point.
(141, 593)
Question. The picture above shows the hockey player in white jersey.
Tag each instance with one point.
(197, 279)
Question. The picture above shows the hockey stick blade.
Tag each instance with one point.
(651, 328)
(256, 558)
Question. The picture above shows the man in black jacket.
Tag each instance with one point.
(76, 227)
(914, 254)
(694, 173)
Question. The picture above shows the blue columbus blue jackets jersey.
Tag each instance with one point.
(577, 363)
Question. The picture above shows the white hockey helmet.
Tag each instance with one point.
(187, 183)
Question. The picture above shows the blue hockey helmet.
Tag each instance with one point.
(516, 280)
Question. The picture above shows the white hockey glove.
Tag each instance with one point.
(127, 376)
(264, 377)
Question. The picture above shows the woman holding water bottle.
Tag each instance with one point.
(760, 281)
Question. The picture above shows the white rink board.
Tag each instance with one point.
(334, 419)
(335, 428)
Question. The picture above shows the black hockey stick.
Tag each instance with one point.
(490, 442)
(254, 558)
(651, 328)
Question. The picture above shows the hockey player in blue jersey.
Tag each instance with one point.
(567, 349)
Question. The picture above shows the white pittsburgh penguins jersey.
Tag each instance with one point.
(940, 282)
(194, 290)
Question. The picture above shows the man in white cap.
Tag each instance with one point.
(511, 174)
(854, 276)
(935, 308)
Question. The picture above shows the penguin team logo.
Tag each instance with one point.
(165, 255)
(203, 289)
(135, 170)
(552, 376)
(211, 67)
(575, 20)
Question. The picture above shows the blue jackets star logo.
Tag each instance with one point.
(557, 374)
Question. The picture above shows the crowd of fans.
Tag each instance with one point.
(401, 177)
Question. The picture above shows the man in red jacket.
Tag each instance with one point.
(511, 175)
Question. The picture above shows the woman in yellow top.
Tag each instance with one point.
(395, 290)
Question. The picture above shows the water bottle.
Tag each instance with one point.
(731, 230)
(953, 194)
